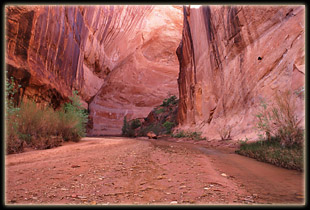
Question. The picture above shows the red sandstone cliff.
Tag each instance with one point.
(231, 57)
(117, 57)
(144, 77)
(122, 60)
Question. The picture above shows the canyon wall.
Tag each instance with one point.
(146, 76)
(231, 58)
(121, 59)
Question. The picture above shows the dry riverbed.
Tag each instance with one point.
(117, 170)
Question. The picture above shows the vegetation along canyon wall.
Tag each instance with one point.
(222, 61)
(121, 59)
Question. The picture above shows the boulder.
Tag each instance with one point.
(151, 135)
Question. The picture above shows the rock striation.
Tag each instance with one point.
(117, 57)
(231, 57)
(145, 75)
(122, 60)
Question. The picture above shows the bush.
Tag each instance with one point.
(225, 132)
(40, 128)
(159, 111)
(74, 119)
(30, 121)
(43, 127)
(192, 135)
(168, 126)
(156, 128)
(180, 134)
(135, 124)
(68, 125)
(128, 128)
(272, 152)
(170, 101)
(125, 126)
(13, 143)
(196, 135)
(280, 120)
(161, 120)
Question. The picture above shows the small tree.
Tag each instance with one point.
(74, 118)
(129, 129)
(135, 124)
(13, 142)
(125, 126)
(280, 120)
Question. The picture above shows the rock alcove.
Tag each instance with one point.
(121, 59)
(124, 60)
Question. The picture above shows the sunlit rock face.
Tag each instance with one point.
(231, 57)
(121, 59)
(145, 70)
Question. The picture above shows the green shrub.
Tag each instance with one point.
(281, 137)
(128, 128)
(69, 122)
(168, 126)
(159, 111)
(10, 91)
(156, 128)
(161, 123)
(135, 124)
(196, 135)
(180, 134)
(290, 157)
(68, 125)
(42, 127)
(13, 143)
(37, 126)
(280, 120)
(74, 119)
(125, 126)
(30, 121)
(192, 135)
(170, 101)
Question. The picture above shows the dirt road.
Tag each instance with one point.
(119, 170)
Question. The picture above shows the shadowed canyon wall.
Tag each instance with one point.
(231, 57)
(121, 59)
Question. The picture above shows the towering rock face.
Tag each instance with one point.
(144, 77)
(121, 59)
(231, 58)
